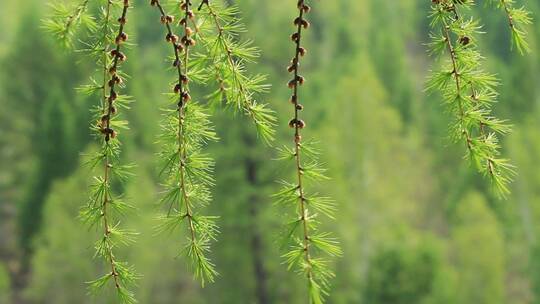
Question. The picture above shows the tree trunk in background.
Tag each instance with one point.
(9, 253)
(256, 238)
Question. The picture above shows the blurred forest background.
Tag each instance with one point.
(417, 225)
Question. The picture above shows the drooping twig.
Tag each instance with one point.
(302, 252)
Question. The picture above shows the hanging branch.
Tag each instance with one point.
(518, 19)
(105, 46)
(64, 21)
(218, 31)
(188, 171)
(103, 203)
(303, 234)
(104, 207)
(469, 92)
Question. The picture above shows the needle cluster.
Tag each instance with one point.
(469, 92)
(220, 30)
(518, 19)
(64, 21)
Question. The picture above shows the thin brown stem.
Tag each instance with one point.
(219, 78)
(508, 13)
(297, 140)
(76, 14)
(182, 149)
(174, 44)
(117, 57)
(108, 133)
(104, 57)
(453, 56)
(455, 71)
(481, 130)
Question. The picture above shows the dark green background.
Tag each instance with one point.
(416, 224)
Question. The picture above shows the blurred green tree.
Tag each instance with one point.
(478, 252)
(61, 260)
(402, 275)
(41, 125)
(384, 143)
(5, 285)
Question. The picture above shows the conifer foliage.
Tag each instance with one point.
(518, 18)
(187, 171)
(303, 238)
(106, 45)
(469, 91)
(186, 129)
(64, 21)
(208, 52)
(227, 55)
